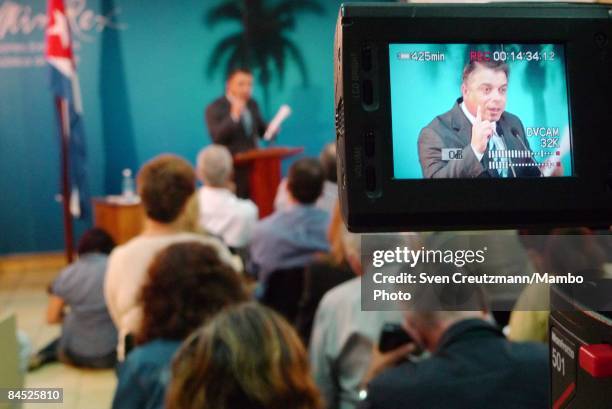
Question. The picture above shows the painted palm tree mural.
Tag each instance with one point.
(262, 43)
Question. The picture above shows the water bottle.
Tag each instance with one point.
(127, 186)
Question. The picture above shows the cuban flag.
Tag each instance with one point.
(64, 85)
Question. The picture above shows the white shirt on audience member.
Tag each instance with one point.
(127, 272)
(225, 215)
(341, 343)
(326, 201)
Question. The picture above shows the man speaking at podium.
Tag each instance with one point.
(485, 139)
(234, 120)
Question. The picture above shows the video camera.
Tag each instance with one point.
(485, 116)
(580, 353)
(473, 116)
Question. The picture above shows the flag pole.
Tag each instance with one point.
(64, 126)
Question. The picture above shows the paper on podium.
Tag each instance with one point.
(283, 112)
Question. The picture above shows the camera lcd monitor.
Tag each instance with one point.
(459, 108)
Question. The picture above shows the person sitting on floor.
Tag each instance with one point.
(76, 300)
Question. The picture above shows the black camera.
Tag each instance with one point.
(392, 336)
(580, 353)
(473, 116)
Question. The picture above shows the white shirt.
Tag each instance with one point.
(495, 138)
(341, 343)
(127, 272)
(223, 214)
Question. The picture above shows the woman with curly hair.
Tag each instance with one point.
(187, 284)
(247, 357)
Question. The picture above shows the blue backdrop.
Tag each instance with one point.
(142, 66)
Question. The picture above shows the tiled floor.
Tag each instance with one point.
(23, 291)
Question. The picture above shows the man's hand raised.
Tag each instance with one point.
(236, 108)
(481, 132)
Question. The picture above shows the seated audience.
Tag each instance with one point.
(555, 252)
(291, 237)
(505, 253)
(343, 334)
(221, 212)
(329, 195)
(76, 300)
(324, 273)
(165, 183)
(472, 365)
(248, 357)
(532, 325)
(187, 284)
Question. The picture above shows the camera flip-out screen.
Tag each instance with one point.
(470, 116)
(514, 97)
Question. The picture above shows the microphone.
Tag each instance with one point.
(500, 132)
(517, 135)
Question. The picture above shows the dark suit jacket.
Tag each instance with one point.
(320, 276)
(223, 130)
(475, 367)
(454, 130)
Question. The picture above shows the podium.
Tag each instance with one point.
(264, 173)
(121, 220)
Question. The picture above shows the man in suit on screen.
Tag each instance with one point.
(234, 120)
(477, 137)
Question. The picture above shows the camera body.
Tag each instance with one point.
(392, 336)
(405, 157)
(580, 354)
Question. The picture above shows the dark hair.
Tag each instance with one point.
(305, 180)
(237, 70)
(328, 161)
(187, 284)
(247, 357)
(471, 66)
(165, 183)
(95, 240)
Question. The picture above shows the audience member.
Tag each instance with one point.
(76, 300)
(165, 183)
(343, 334)
(329, 195)
(291, 237)
(561, 250)
(323, 274)
(221, 212)
(471, 365)
(187, 285)
(505, 253)
(248, 357)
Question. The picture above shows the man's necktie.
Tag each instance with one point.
(247, 121)
(498, 157)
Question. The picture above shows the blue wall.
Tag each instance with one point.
(144, 92)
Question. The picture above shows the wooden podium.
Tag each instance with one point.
(264, 173)
(121, 220)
